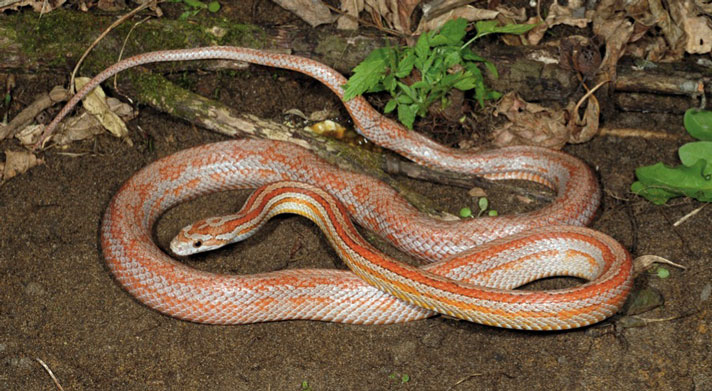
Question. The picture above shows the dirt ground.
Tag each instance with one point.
(59, 303)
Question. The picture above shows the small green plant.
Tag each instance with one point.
(439, 62)
(659, 183)
(306, 386)
(482, 204)
(662, 272)
(404, 378)
(192, 7)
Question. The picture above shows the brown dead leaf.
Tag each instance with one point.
(111, 5)
(695, 24)
(349, 21)
(84, 125)
(96, 103)
(530, 124)
(574, 14)
(616, 30)
(18, 162)
(312, 12)
(674, 35)
(405, 11)
(41, 6)
(582, 129)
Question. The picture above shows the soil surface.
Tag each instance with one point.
(60, 304)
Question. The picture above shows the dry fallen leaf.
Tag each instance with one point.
(530, 124)
(18, 162)
(95, 103)
(696, 27)
(582, 129)
(349, 21)
(111, 110)
(574, 14)
(42, 6)
(313, 12)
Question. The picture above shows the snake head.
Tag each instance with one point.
(197, 238)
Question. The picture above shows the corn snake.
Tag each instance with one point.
(548, 239)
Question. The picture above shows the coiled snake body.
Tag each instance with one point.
(497, 254)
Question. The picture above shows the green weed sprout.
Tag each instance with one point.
(439, 62)
(482, 205)
(659, 183)
(192, 7)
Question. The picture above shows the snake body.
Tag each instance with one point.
(481, 295)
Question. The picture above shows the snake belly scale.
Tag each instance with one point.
(462, 286)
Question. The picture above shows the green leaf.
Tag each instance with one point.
(492, 94)
(483, 203)
(408, 91)
(486, 27)
(422, 47)
(466, 83)
(656, 195)
(390, 106)
(213, 6)
(406, 114)
(452, 58)
(658, 183)
(662, 272)
(691, 153)
(699, 124)
(453, 31)
(514, 28)
(465, 212)
(195, 4)
(389, 83)
(367, 74)
(404, 99)
(405, 65)
(491, 69)
(419, 85)
(472, 56)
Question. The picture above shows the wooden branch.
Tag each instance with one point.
(223, 119)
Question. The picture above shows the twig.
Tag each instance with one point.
(588, 94)
(396, 166)
(464, 379)
(101, 36)
(123, 46)
(687, 216)
(642, 133)
(643, 262)
(49, 371)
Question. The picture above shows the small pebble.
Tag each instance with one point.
(432, 340)
(34, 289)
(706, 291)
(404, 351)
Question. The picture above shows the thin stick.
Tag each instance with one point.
(687, 216)
(101, 36)
(588, 94)
(49, 371)
(123, 46)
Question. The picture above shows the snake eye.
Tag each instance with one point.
(197, 243)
